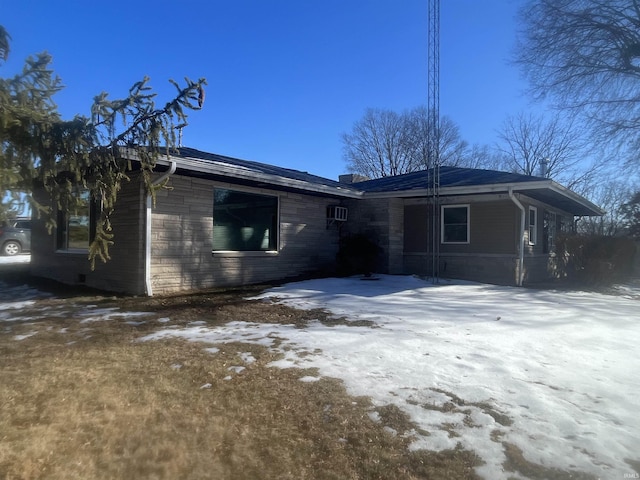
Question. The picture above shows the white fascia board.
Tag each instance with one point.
(463, 190)
(493, 188)
(232, 171)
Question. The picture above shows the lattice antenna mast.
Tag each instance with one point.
(433, 114)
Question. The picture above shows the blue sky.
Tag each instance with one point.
(285, 77)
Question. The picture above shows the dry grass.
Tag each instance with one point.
(517, 463)
(88, 401)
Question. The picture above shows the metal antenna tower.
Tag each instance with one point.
(433, 114)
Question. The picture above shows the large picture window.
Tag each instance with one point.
(244, 221)
(455, 224)
(76, 228)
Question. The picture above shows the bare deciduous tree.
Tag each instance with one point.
(484, 157)
(611, 193)
(526, 141)
(585, 54)
(630, 212)
(377, 145)
(384, 143)
(453, 150)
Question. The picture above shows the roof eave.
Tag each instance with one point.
(225, 170)
(495, 188)
(230, 171)
(597, 211)
(459, 190)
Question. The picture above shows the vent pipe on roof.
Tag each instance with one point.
(544, 167)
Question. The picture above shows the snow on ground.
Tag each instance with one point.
(6, 260)
(19, 306)
(554, 373)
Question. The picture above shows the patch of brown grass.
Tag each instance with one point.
(457, 402)
(91, 402)
(517, 463)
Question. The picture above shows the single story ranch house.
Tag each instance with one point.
(227, 222)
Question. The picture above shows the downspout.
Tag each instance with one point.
(520, 277)
(147, 240)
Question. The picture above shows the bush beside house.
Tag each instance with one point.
(358, 254)
(595, 259)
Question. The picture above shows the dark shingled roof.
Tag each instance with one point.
(449, 177)
(260, 167)
(255, 173)
(539, 188)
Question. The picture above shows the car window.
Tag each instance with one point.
(23, 224)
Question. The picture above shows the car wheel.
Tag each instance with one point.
(11, 248)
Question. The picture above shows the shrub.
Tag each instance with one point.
(358, 254)
(595, 259)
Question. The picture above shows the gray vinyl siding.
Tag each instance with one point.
(489, 256)
(124, 272)
(492, 252)
(417, 228)
(182, 230)
(382, 220)
(181, 243)
(494, 227)
(182, 233)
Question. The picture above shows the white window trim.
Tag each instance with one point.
(442, 209)
(533, 239)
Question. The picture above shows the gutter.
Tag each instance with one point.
(147, 239)
(520, 271)
(244, 173)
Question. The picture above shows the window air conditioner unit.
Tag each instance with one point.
(337, 214)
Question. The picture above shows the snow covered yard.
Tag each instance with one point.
(551, 374)
(539, 384)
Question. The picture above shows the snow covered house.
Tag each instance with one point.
(230, 222)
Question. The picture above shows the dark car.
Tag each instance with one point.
(15, 237)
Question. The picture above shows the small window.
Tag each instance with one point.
(76, 228)
(533, 225)
(244, 222)
(455, 224)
